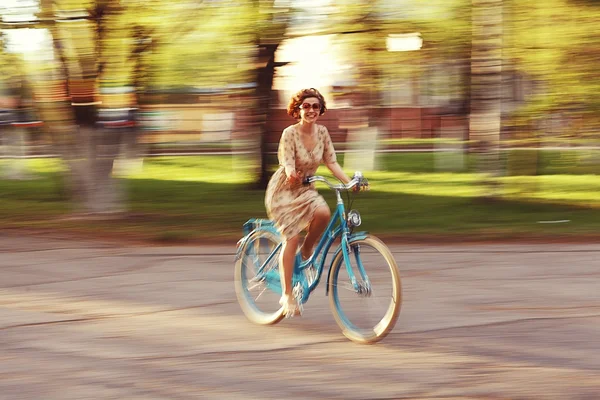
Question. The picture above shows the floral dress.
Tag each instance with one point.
(292, 207)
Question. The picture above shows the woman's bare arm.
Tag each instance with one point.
(337, 171)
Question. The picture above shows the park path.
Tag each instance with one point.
(94, 320)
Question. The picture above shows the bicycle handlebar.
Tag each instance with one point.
(357, 180)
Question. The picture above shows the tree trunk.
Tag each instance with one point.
(486, 68)
(131, 153)
(264, 95)
(97, 192)
(15, 149)
(88, 151)
(15, 102)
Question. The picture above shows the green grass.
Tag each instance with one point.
(175, 199)
(547, 141)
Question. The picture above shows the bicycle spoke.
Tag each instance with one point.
(347, 286)
(260, 294)
(257, 284)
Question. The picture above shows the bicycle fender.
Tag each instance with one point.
(351, 238)
(250, 227)
(240, 245)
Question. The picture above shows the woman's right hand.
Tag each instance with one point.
(294, 178)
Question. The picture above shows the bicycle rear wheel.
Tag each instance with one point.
(258, 293)
(367, 316)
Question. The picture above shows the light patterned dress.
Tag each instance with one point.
(292, 206)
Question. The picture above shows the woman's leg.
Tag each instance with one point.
(286, 263)
(316, 228)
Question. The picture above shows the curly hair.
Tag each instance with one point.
(297, 99)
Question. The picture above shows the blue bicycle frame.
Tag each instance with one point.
(337, 226)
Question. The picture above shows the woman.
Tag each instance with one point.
(292, 205)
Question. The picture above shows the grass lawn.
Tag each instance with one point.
(209, 197)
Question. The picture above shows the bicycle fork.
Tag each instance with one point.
(362, 287)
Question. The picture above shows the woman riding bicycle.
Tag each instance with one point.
(293, 206)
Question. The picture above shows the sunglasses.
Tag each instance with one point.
(308, 106)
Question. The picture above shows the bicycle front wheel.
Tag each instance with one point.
(366, 315)
(257, 282)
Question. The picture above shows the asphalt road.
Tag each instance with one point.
(91, 320)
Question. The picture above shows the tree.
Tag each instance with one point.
(101, 47)
(271, 25)
(15, 105)
(82, 53)
(486, 76)
(551, 44)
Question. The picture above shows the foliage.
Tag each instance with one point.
(11, 71)
(551, 45)
(167, 44)
(555, 43)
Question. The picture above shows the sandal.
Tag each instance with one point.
(290, 307)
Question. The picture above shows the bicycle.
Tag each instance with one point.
(258, 255)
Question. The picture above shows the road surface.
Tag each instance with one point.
(94, 320)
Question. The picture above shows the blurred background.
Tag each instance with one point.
(162, 118)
